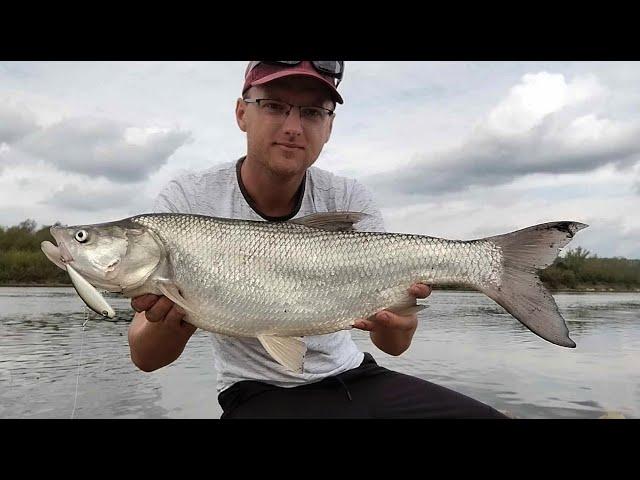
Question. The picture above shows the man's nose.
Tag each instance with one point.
(293, 122)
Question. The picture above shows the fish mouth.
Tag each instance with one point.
(58, 254)
(65, 254)
(90, 296)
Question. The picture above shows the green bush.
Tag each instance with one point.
(22, 261)
(579, 269)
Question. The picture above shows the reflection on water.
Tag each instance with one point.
(44, 351)
(464, 342)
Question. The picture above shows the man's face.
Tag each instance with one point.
(289, 145)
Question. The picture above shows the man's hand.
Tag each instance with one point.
(158, 333)
(390, 332)
(158, 308)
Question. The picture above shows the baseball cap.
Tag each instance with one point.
(266, 72)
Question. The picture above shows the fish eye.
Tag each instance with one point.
(81, 236)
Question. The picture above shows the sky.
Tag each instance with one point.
(457, 150)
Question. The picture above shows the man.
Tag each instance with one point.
(287, 113)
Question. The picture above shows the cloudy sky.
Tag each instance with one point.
(450, 149)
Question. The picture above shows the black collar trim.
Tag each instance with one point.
(254, 207)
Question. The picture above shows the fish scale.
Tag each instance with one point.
(291, 279)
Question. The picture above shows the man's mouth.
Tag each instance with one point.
(290, 145)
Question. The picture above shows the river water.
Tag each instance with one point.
(53, 367)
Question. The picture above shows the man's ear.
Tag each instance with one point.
(241, 110)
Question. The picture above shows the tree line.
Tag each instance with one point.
(23, 263)
(579, 269)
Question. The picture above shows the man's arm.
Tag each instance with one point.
(158, 333)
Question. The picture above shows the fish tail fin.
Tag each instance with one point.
(520, 290)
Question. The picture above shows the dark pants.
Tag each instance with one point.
(368, 391)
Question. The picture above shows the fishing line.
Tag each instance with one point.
(75, 398)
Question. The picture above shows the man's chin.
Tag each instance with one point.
(286, 165)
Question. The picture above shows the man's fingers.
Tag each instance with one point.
(159, 311)
(174, 315)
(420, 290)
(386, 319)
(389, 319)
(144, 302)
(363, 324)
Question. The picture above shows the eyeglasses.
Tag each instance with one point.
(332, 68)
(279, 110)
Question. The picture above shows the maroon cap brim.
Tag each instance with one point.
(289, 72)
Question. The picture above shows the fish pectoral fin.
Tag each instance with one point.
(170, 290)
(332, 221)
(287, 351)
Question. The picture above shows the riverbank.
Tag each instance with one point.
(587, 288)
(596, 290)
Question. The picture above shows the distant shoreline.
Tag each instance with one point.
(584, 289)
(597, 289)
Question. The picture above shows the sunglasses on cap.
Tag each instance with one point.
(331, 68)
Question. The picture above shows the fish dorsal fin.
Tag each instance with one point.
(332, 221)
(287, 351)
(170, 290)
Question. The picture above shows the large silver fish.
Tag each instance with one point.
(281, 281)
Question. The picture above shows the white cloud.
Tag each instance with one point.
(15, 122)
(481, 212)
(537, 96)
(102, 147)
(143, 136)
(525, 134)
(95, 198)
(39, 191)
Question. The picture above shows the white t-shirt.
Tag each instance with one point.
(218, 192)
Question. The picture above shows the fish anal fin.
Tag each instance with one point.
(409, 310)
(406, 306)
(287, 351)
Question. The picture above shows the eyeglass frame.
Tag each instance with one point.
(257, 101)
